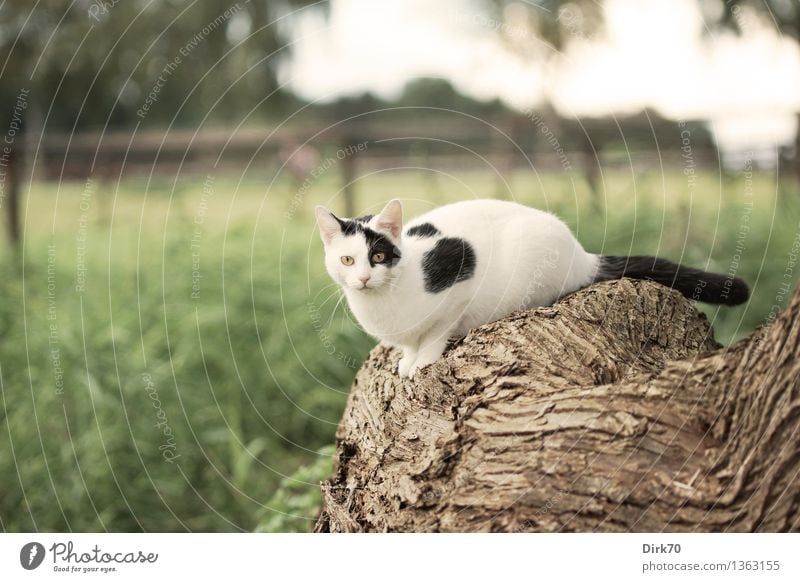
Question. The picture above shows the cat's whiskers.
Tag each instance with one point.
(325, 288)
(349, 318)
(389, 285)
(329, 297)
(335, 307)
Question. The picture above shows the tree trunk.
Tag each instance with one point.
(14, 177)
(612, 410)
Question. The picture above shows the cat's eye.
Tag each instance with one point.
(378, 257)
(347, 260)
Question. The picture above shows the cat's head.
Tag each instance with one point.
(361, 254)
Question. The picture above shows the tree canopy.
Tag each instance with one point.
(114, 63)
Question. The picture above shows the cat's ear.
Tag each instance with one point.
(391, 218)
(329, 227)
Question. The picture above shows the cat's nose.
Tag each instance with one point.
(364, 280)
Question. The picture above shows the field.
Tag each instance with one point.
(173, 356)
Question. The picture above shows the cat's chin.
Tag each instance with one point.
(363, 290)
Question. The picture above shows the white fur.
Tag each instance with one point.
(524, 258)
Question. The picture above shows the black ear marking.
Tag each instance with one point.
(450, 261)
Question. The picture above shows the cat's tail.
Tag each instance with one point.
(692, 283)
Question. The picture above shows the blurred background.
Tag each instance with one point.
(173, 356)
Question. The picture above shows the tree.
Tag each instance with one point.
(522, 26)
(118, 64)
(555, 21)
(785, 16)
(612, 410)
(97, 62)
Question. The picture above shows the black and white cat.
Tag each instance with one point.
(465, 264)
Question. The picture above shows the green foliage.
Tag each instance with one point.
(295, 506)
(176, 413)
(251, 374)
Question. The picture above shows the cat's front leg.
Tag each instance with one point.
(406, 362)
(430, 350)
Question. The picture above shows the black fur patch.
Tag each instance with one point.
(426, 229)
(349, 227)
(694, 284)
(376, 242)
(450, 261)
(352, 226)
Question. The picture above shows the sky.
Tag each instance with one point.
(650, 53)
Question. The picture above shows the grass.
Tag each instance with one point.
(195, 379)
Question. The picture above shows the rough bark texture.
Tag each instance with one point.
(613, 410)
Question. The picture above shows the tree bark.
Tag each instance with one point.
(612, 410)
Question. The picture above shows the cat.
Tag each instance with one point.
(465, 264)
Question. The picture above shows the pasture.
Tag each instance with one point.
(173, 356)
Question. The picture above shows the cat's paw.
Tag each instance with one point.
(404, 367)
(418, 365)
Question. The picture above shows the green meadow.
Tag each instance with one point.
(173, 356)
